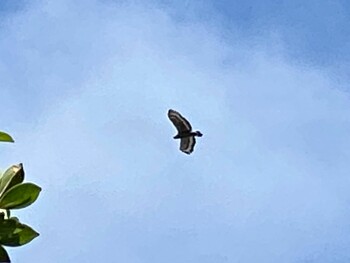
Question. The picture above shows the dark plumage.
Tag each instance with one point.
(185, 132)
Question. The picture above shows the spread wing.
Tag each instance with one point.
(181, 124)
(187, 144)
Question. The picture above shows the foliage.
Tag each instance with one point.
(14, 194)
(4, 137)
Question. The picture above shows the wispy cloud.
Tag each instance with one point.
(92, 82)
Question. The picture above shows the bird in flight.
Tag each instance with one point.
(185, 133)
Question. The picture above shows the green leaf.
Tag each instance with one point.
(4, 257)
(20, 196)
(22, 235)
(4, 137)
(7, 227)
(12, 176)
(13, 233)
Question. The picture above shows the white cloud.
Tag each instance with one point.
(266, 182)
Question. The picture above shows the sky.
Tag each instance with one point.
(85, 89)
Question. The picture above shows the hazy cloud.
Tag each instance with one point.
(92, 82)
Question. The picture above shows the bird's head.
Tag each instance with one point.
(199, 134)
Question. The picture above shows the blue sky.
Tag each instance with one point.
(86, 86)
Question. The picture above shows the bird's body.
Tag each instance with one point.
(188, 134)
(185, 133)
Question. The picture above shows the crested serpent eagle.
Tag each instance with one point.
(184, 132)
